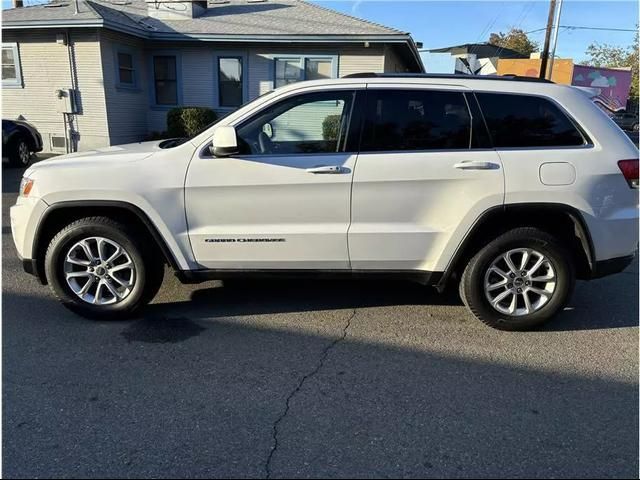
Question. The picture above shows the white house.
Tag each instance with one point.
(93, 73)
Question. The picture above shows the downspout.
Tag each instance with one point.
(73, 73)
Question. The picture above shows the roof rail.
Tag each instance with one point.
(512, 78)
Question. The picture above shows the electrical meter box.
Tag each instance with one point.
(66, 100)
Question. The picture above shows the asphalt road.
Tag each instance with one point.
(315, 379)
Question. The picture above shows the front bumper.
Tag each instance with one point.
(25, 216)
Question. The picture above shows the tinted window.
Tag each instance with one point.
(311, 123)
(527, 121)
(416, 120)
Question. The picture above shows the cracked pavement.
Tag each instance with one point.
(315, 379)
(323, 357)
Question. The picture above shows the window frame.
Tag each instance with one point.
(586, 138)
(134, 67)
(302, 64)
(216, 75)
(17, 82)
(473, 123)
(152, 76)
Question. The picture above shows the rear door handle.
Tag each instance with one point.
(327, 169)
(476, 165)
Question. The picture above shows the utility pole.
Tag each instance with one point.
(556, 27)
(547, 37)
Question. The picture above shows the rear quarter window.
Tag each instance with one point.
(525, 121)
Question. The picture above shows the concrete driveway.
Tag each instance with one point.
(315, 379)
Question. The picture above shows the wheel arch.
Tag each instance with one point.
(22, 133)
(60, 214)
(560, 220)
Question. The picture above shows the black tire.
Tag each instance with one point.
(472, 289)
(19, 153)
(149, 270)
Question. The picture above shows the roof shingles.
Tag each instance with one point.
(237, 17)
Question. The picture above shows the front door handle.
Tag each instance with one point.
(476, 165)
(327, 169)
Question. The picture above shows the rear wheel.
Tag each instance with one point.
(518, 281)
(96, 268)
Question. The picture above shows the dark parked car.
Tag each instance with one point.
(626, 121)
(20, 140)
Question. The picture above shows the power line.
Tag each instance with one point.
(573, 27)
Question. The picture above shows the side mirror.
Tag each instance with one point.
(225, 141)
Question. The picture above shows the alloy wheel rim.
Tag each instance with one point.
(99, 271)
(23, 152)
(519, 282)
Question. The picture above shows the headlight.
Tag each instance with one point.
(25, 186)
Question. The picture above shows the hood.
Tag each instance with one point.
(120, 153)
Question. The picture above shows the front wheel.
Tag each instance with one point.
(518, 281)
(97, 269)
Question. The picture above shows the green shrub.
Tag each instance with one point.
(331, 127)
(187, 121)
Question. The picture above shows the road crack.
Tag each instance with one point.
(294, 392)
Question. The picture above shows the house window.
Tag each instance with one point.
(165, 79)
(317, 69)
(126, 70)
(230, 88)
(294, 69)
(287, 71)
(11, 72)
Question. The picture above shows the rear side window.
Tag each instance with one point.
(527, 121)
(415, 120)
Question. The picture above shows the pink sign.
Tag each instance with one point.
(613, 84)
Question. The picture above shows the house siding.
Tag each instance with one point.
(46, 68)
(392, 61)
(198, 74)
(126, 107)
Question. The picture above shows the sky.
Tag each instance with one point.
(445, 23)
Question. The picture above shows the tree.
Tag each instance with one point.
(613, 56)
(515, 39)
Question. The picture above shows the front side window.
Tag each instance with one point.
(527, 121)
(126, 71)
(309, 123)
(230, 81)
(11, 72)
(165, 80)
(398, 120)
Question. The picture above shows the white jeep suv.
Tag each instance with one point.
(510, 186)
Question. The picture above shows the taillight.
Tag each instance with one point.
(629, 169)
